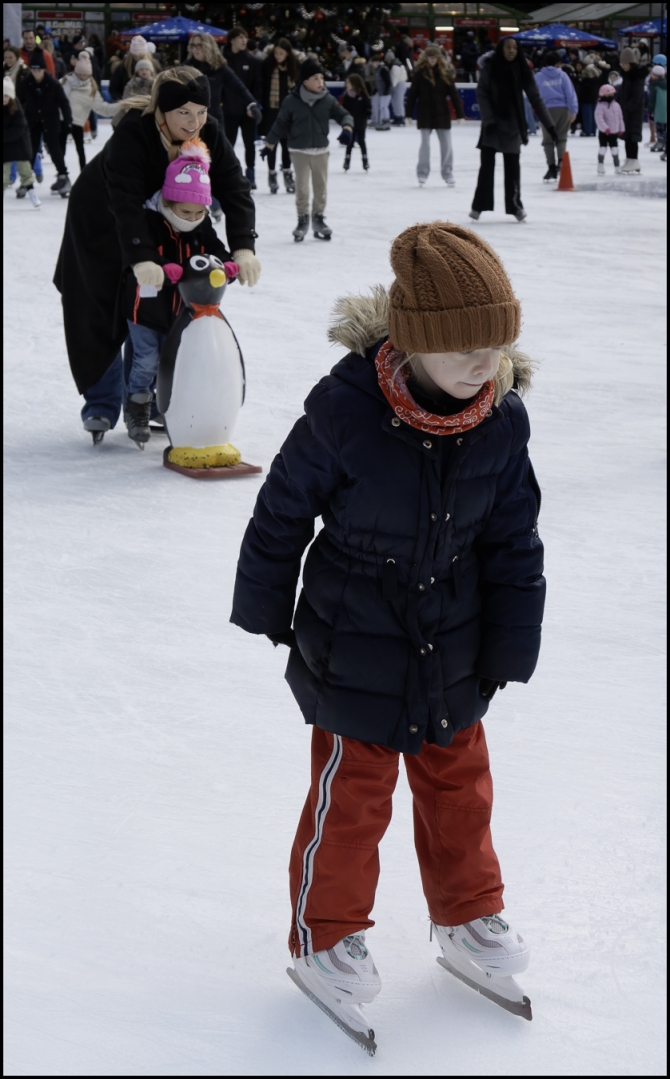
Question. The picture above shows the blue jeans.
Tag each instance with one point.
(588, 119)
(147, 345)
(530, 118)
(106, 397)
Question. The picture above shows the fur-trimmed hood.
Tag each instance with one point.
(360, 321)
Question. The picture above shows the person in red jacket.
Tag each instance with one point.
(29, 46)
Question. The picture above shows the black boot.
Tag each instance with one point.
(62, 185)
(551, 174)
(137, 414)
(251, 177)
(300, 231)
(320, 228)
(366, 163)
(347, 161)
(272, 180)
(289, 181)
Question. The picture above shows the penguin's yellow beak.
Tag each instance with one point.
(217, 278)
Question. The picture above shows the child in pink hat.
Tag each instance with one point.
(181, 227)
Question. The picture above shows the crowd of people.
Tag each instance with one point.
(276, 100)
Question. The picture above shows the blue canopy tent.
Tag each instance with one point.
(651, 28)
(561, 36)
(176, 29)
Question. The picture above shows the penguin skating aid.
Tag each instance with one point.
(200, 384)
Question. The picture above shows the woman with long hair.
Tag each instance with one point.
(280, 74)
(106, 229)
(504, 79)
(205, 55)
(432, 84)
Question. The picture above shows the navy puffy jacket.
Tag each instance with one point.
(426, 576)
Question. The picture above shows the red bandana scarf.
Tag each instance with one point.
(393, 383)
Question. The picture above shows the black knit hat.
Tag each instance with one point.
(36, 60)
(309, 68)
(173, 94)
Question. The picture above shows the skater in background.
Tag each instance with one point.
(589, 85)
(143, 80)
(139, 49)
(503, 130)
(304, 119)
(30, 46)
(280, 75)
(83, 94)
(180, 227)
(558, 94)
(430, 89)
(657, 105)
(44, 102)
(16, 145)
(422, 595)
(106, 229)
(238, 114)
(356, 101)
(381, 98)
(630, 96)
(611, 127)
(14, 67)
(398, 87)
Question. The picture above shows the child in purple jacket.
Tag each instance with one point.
(611, 127)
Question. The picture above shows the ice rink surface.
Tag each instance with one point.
(156, 762)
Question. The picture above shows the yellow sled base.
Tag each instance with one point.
(210, 463)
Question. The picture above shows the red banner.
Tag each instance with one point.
(475, 22)
(70, 16)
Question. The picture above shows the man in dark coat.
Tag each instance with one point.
(238, 114)
(106, 231)
(44, 101)
(630, 96)
(469, 57)
(503, 80)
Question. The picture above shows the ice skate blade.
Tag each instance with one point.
(97, 437)
(366, 1042)
(516, 1007)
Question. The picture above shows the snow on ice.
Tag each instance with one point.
(156, 762)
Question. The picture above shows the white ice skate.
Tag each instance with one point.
(631, 164)
(484, 954)
(339, 980)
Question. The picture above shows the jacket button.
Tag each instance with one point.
(489, 413)
(447, 517)
(459, 441)
(428, 444)
(445, 722)
(430, 647)
(395, 422)
(422, 588)
(433, 516)
(455, 558)
(422, 651)
(413, 728)
(432, 580)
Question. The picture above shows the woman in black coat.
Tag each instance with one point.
(106, 228)
(502, 82)
(44, 101)
(16, 146)
(204, 54)
(280, 74)
(432, 89)
(630, 96)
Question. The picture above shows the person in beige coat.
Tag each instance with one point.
(84, 95)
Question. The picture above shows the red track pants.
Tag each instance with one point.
(335, 859)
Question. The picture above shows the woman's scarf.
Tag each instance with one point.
(393, 384)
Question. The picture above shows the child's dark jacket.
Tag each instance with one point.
(426, 576)
(359, 108)
(158, 313)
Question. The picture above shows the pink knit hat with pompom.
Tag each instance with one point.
(187, 177)
(607, 90)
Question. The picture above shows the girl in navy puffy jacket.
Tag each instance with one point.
(422, 595)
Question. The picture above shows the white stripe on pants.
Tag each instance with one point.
(322, 807)
(446, 153)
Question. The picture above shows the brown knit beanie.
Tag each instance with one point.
(450, 294)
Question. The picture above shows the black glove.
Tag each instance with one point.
(265, 151)
(487, 687)
(255, 113)
(553, 132)
(345, 137)
(287, 638)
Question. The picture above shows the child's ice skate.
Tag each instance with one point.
(321, 230)
(601, 166)
(97, 426)
(338, 981)
(137, 414)
(484, 954)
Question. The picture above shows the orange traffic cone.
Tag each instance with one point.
(565, 179)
